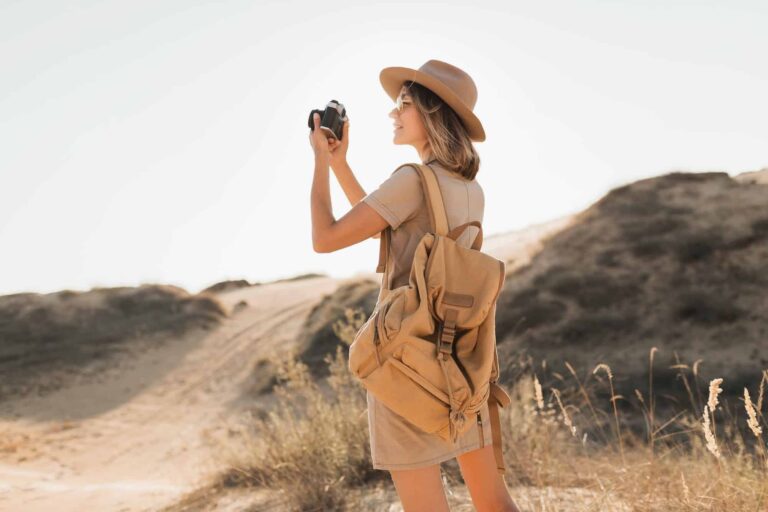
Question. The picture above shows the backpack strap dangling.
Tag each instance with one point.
(384, 248)
(497, 398)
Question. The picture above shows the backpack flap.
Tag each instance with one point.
(464, 280)
(458, 278)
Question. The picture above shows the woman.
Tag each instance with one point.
(433, 113)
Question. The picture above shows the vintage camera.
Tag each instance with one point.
(331, 119)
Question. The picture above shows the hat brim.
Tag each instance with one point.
(392, 79)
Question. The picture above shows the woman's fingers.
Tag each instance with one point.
(332, 143)
(318, 134)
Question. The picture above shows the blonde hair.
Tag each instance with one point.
(448, 139)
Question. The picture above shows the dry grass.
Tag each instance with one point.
(686, 462)
(313, 447)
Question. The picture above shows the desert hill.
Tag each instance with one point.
(676, 261)
(46, 340)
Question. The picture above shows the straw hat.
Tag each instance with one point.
(454, 86)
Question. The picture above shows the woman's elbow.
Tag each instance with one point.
(320, 246)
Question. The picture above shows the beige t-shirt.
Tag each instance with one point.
(400, 200)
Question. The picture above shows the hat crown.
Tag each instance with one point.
(460, 83)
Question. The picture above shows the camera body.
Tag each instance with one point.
(331, 119)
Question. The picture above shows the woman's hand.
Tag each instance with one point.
(318, 142)
(338, 148)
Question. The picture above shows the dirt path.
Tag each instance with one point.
(137, 436)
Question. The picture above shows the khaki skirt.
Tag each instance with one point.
(398, 444)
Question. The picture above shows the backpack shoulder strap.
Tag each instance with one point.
(435, 206)
(438, 218)
(384, 241)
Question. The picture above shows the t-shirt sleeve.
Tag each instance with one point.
(399, 197)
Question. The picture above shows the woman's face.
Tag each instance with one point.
(408, 127)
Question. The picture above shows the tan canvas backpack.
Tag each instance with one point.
(428, 350)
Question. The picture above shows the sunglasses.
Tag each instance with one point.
(400, 105)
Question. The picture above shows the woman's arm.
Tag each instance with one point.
(350, 185)
(342, 171)
(328, 234)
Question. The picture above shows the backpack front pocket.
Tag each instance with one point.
(426, 368)
(363, 352)
(391, 315)
(405, 393)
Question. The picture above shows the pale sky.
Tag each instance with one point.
(166, 141)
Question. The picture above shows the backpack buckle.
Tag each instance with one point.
(445, 337)
(447, 333)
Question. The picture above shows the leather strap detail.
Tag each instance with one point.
(458, 299)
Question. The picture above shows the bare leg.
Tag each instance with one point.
(420, 490)
(486, 486)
